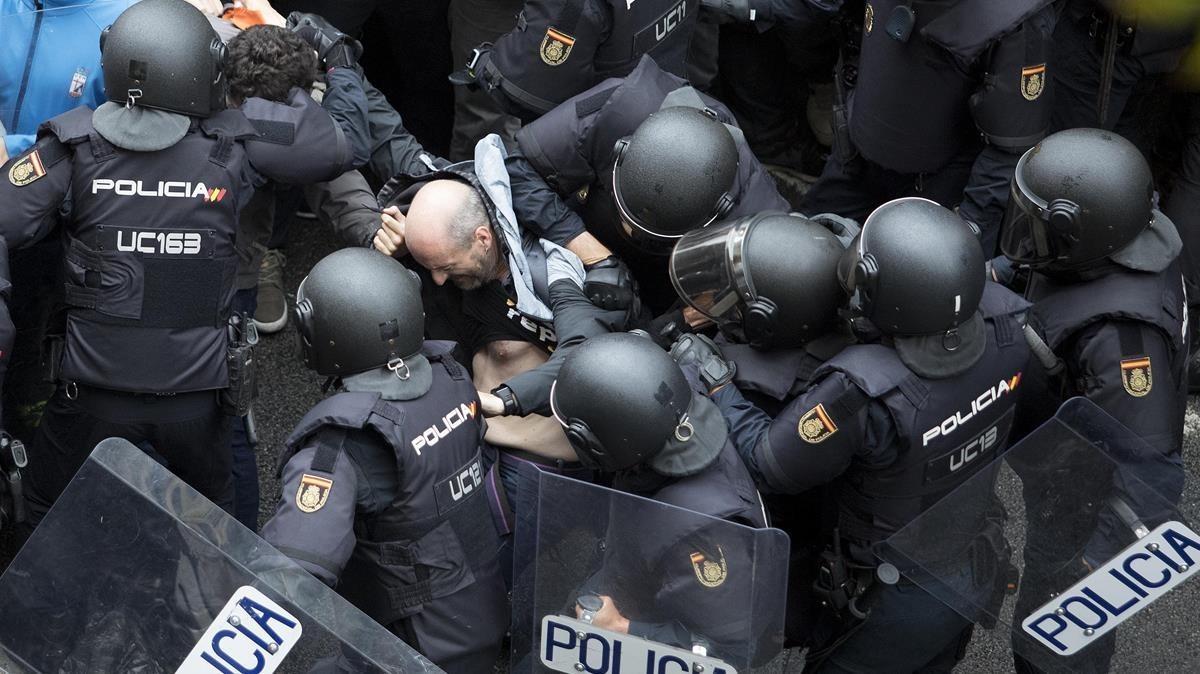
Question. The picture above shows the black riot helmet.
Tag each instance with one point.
(358, 310)
(916, 273)
(673, 175)
(620, 398)
(1077, 197)
(770, 276)
(164, 54)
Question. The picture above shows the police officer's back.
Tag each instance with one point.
(383, 482)
(155, 179)
(945, 98)
(892, 416)
(559, 49)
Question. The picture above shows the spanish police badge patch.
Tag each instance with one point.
(556, 47)
(1136, 377)
(313, 493)
(710, 573)
(868, 19)
(26, 170)
(1033, 81)
(816, 425)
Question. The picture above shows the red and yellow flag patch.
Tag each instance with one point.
(1136, 376)
(312, 493)
(27, 169)
(816, 425)
(556, 47)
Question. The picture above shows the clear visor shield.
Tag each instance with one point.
(707, 271)
(1025, 235)
(701, 594)
(1073, 550)
(134, 571)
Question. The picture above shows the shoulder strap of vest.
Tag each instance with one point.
(876, 370)
(590, 105)
(349, 409)
(70, 127)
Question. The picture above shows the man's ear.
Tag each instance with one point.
(485, 236)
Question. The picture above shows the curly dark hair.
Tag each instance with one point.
(266, 62)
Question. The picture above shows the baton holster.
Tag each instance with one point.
(243, 380)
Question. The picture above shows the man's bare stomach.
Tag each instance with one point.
(496, 363)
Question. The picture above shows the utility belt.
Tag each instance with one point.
(235, 400)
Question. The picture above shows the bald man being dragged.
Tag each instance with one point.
(458, 224)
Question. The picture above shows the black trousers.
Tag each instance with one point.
(186, 432)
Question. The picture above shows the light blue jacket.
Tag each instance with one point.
(49, 61)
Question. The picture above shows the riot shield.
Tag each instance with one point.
(134, 571)
(1073, 551)
(700, 594)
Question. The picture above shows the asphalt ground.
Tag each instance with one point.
(1167, 640)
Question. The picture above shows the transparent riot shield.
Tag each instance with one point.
(699, 594)
(134, 571)
(1074, 552)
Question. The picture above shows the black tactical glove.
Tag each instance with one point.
(334, 48)
(726, 11)
(668, 327)
(704, 354)
(609, 285)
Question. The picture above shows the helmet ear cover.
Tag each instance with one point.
(303, 313)
(587, 445)
(759, 321)
(866, 276)
(1063, 216)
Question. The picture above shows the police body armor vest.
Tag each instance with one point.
(947, 429)
(436, 537)
(150, 258)
(724, 490)
(909, 110)
(662, 29)
(1062, 310)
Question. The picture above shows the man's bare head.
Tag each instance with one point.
(448, 232)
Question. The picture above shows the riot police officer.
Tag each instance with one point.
(946, 97)
(1109, 308)
(628, 410)
(615, 155)
(769, 281)
(892, 415)
(559, 49)
(156, 178)
(383, 481)
(1107, 291)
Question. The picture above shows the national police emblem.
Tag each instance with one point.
(1033, 81)
(556, 47)
(26, 170)
(815, 426)
(313, 493)
(710, 572)
(1136, 376)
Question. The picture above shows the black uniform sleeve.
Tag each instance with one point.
(813, 440)
(554, 144)
(302, 142)
(348, 206)
(545, 58)
(538, 208)
(1012, 111)
(33, 186)
(575, 319)
(320, 540)
(393, 149)
(1129, 376)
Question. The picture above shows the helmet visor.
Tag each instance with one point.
(1025, 236)
(707, 271)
